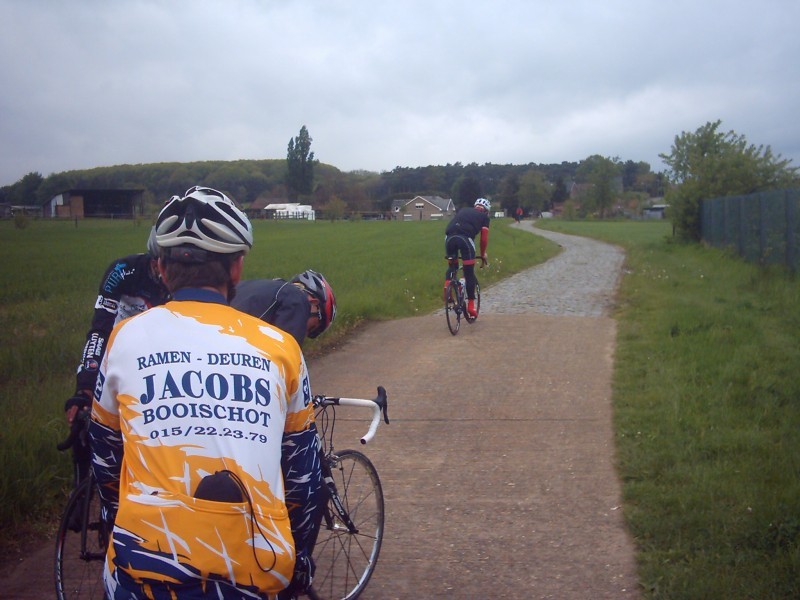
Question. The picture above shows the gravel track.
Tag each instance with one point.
(580, 281)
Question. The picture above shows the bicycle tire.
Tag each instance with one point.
(345, 561)
(470, 318)
(79, 567)
(452, 308)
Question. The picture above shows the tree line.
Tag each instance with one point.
(301, 177)
(703, 164)
(535, 187)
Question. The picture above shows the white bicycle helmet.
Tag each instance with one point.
(206, 219)
(483, 203)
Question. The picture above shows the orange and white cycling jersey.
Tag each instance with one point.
(195, 388)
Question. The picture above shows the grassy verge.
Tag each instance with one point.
(48, 284)
(707, 416)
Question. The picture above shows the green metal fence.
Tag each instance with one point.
(762, 228)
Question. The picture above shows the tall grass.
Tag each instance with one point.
(707, 416)
(48, 283)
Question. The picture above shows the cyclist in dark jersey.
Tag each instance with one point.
(130, 285)
(460, 236)
(304, 306)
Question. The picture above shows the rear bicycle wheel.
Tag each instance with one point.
(470, 318)
(452, 308)
(81, 546)
(345, 559)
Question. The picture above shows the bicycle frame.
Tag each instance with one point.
(89, 490)
(455, 303)
(378, 407)
(82, 537)
(351, 528)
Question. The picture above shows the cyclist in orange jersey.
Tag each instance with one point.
(203, 436)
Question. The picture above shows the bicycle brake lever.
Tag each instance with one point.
(383, 401)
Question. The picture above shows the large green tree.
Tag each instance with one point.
(560, 193)
(508, 194)
(534, 191)
(300, 165)
(709, 164)
(466, 190)
(23, 192)
(601, 172)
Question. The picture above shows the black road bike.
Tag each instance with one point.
(82, 538)
(455, 298)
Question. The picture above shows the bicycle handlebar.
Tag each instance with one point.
(378, 406)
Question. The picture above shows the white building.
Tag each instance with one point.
(290, 210)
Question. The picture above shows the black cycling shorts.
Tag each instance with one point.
(455, 245)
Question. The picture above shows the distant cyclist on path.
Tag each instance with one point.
(460, 236)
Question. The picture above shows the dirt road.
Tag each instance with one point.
(498, 465)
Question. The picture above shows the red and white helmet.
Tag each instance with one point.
(316, 285)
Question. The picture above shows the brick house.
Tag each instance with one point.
(422, 208)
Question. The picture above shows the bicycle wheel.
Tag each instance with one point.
(452, 308)
(470, 318)
(81, 546)
(345, 560)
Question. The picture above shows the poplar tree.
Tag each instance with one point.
(300, 165)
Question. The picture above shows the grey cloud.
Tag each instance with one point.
(91, 83)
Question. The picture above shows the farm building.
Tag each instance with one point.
(279, 208)
(657, 211)
(289, 210)
(107, 204)
(10, 210)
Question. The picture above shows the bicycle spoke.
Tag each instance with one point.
(80, 546)
(345, 560)
(453, 309)
(342, 551)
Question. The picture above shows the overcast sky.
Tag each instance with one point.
(86, 83)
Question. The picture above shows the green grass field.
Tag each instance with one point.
(706, 382)
(707, 416)
(48, 284)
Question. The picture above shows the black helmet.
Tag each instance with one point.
(316, 285)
